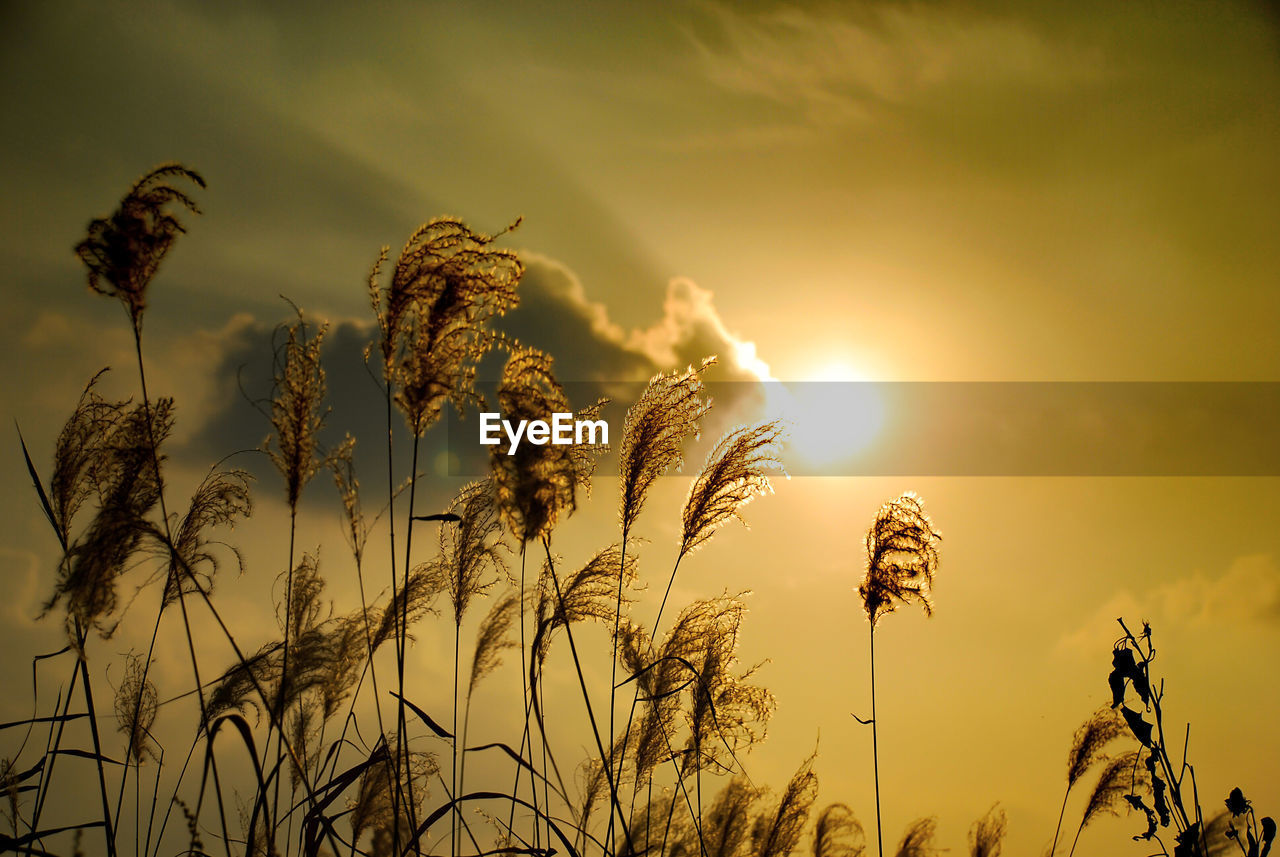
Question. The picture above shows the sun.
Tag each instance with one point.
(835, 412)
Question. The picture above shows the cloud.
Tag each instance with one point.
(557, 315)
(595, 356)
(840, 68)
(1246, 593)
(20, 571)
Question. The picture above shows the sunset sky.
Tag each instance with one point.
(931, 191)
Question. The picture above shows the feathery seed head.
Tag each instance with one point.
(493, 637)
(127, 485)
(222, 496)
(447, 285)
(123, 251)
(538, 484)
(136, 704)
(736, 472)
(902, 558)
(837, 833)
(1102, 727)
(297, 406)
(656, 426)
(470, 548)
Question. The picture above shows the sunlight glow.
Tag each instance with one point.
(835, 413)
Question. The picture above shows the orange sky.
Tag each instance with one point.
(925, 192)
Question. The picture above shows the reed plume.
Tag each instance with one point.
(447, 285)
(902, 558)
(493, 637)
(656, 427)
(124, 250)
(221, 497)
(127, 487)
(408, 604)
(76, 454)
(537, 484)
(736, 472)
(918, 839)
(986, 836)
(1122, 775)
(298, 411)
(1087, 745)
(668, 412)
(778, 833)
(585, 594)
(378, 808)
(727, 823)
(837, 833)
(136, 704)
(356, 527)
(471, 553)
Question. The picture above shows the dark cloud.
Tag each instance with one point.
(595, 358)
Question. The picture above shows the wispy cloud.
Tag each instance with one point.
(1245, 593)
(838, 67)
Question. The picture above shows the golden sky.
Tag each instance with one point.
(932, 191)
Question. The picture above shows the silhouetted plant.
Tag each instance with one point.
(902, 558)
(1087, 746)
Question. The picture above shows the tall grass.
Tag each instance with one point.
(310, 700)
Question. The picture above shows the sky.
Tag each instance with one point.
(874, 192)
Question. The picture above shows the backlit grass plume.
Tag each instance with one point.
(471, 552)
(447, 285)
(902, 558)
(986, 836)
(124, 250)
(585, 594)
(221, 498)
(778, 833)
(1087, 746)
(653, 434)
(76, 454)
(136, 705)
(1122, 775)
(127, 488)
(377, 809)
(917, 840)
(297, 406)
(837, 833)
(537, 484)
(727, 822)
(736, 472)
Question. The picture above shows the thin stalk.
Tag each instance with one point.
(213, 758)
(613, 672)
(108, 829)
(168, 533)
(155, 630)
(284, 668)
(453, 816)
(586, 698)
(52, 743)
(526, 739)
(875, 746)
(402, 737)
(392, 780)
(635, 696)
(1057, 830)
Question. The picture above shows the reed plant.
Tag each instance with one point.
(331, 755)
